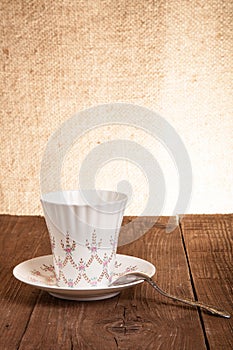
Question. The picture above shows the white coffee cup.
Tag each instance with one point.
(84, 228)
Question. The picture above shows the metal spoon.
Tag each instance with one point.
(136, 276)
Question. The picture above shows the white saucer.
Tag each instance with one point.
(39, 272)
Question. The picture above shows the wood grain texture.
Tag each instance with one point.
(209, 244)
(139, 318)
(21, 238)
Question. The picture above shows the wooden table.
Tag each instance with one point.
(194, 260)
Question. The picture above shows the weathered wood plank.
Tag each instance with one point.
(21, 238)
(209, 244)
(137, 319)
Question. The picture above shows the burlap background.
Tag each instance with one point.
(59, 57)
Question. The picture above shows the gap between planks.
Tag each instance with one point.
(178, 219)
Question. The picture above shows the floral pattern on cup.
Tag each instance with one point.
(63, 257)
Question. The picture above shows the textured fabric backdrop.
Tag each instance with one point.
(174, 57)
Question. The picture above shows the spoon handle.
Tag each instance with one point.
(209, 308)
